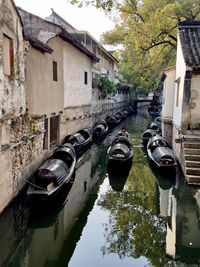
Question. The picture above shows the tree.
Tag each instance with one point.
(147, 30)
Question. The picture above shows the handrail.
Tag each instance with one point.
(24, 139)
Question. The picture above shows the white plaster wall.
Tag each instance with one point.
(44, 95)
(168, 94)
(180, 72)
(12, 89)
(76, 93)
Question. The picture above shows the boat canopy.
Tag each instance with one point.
(154, 126)
(101, 122)
(85, 132)
(65, 153)
(119, 149)
(122, 140)
(157, 141)
(99, 128)
(75, 138)
(148, 133)
(162, 152)
(53, 170)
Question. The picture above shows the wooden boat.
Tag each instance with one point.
(148, 134)
(118, 116)
(100, 129)
(156, 126)
(160, 153)
(79, 140)
(53, 174)
(120, 150)
(112, 121)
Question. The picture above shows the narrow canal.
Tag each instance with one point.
(135, 219)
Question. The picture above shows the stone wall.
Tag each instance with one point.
(21, 153)
(12, 85)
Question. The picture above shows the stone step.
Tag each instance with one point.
(191, 144)
(195, 138)
(193, 171)
(192, 164)
(191, 179)
(192, 151)
(192, 158)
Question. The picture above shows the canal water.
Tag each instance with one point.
(103, 218)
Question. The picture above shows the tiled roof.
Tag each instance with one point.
(34, 42)
(54, 14)
(189, 32)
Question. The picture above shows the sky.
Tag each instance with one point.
(85, 18)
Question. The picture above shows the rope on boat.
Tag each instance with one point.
(37, 186)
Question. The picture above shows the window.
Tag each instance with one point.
(85, 77)
(8, 56)
(177, 92)
(55, 71)
(54, 130)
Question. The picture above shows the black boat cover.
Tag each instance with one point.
(99, 128)
(148, 134)
(122, 140)
(101, 122)
(85, 132)
(111, 119)
(78, 137)
(154, 126)
(162, 152)
(118, 150)
(53, 169)
(67, 150)
(157, 141)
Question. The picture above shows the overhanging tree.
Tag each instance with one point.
(147, 29)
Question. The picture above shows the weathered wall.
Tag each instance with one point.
(195, 100)
(12, 88)
(44, 95)
(22, 160)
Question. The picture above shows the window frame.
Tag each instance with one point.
(10, 55)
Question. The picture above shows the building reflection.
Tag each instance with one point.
(177, 206)
(36, 237)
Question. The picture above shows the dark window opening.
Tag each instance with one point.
(55, 71)
(85, 77)
(54, 131)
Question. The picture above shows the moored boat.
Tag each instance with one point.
(120, 150)
(80, 140)
(53, 174)
(148, 134)
(112, 121)
(160, 153)
(100, 129)
(156, 126)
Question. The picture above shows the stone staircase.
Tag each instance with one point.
(192, 158)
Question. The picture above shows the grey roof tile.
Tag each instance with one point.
(189, 32)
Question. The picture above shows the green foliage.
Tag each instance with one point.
(106, 86)
(147, 29)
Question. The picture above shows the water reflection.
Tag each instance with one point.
(142, 219)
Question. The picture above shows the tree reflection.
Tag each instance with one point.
(134, 229)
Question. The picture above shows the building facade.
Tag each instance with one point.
(181, 88)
